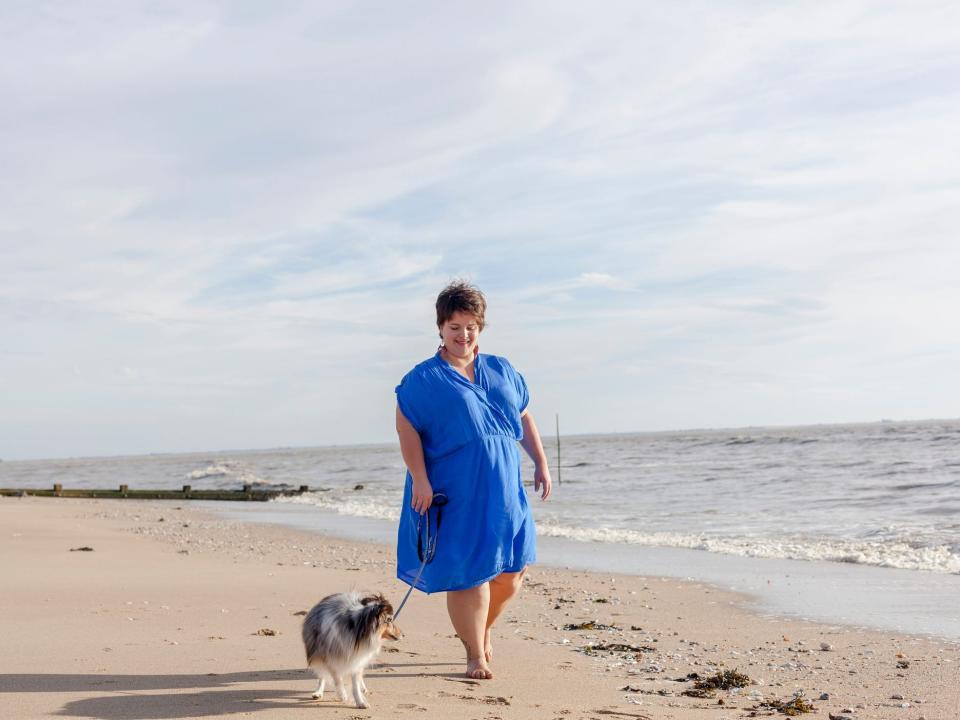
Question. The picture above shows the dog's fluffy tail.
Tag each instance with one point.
(311, 632)
(311, 642)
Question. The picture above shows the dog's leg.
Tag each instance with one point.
(363, 685)
(341, 688)
(321, 674)
(318, 693)
(358, 689)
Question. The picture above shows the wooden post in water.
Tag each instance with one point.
(124, 490)
(559, 476)
(186, 491)
(57, 489)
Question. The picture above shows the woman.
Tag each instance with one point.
(459, 417)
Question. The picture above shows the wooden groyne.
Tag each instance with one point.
(124, 491)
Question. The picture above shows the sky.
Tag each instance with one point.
(223, 225)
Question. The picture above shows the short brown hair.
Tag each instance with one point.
(460, 296)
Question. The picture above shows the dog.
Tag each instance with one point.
(342, 634)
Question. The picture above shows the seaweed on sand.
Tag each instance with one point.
(797, 706)
(589, 625)
(724, 680)
(616, 647)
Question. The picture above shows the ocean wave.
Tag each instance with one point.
(892, 554)
(734, 440)
(940, 510)
(923, 486)
(889, 552)
(232, 471)
(354, 507)
(209, 471)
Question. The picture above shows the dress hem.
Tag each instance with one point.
(503, 569)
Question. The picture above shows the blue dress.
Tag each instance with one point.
(469, 431)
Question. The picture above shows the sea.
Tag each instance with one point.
(855, 524)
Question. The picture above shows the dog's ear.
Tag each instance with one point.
(369, 618)
(386, 609)
(378, 599)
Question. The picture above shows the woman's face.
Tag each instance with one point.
(460, 334)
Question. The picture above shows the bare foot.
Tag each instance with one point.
(487, 646)
(477, 669)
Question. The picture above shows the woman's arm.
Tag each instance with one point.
(412, 450)
(542, 482)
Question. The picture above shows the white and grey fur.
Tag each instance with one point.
(342, 634)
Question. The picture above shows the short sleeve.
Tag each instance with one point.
(519, 384)
(523, 394)
(407, 401)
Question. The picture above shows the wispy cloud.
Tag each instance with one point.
(224, 224)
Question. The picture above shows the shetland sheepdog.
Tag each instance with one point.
(342, 634)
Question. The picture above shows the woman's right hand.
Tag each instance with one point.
(422, 496)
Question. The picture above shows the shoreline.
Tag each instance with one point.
(161, 621)
(860, 596)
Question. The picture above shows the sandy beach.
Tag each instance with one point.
(173, 613)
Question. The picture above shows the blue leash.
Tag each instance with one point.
(426, 547)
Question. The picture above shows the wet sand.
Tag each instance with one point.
(164, 618)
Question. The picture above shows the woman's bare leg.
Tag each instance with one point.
(502, 589)
(468, 611)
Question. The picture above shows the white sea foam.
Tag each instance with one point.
(235, 472)
(892, 554)
(209, 471)
(362, 507)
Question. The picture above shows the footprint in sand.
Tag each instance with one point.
(471, 684)
(486, 699)
(411, 706)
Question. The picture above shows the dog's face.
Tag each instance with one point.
(389, 630)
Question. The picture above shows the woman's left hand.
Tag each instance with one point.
(542, 483)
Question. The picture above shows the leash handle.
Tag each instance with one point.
(439, 500)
